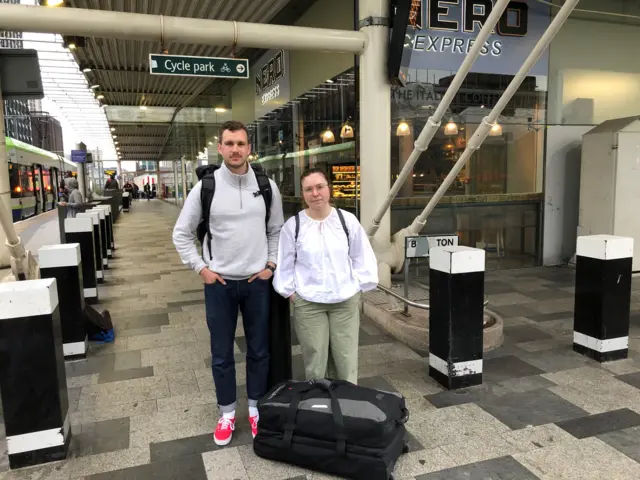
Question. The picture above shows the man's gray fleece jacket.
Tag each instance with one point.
(240, 243)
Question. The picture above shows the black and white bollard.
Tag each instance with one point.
(97, 242)
(104, 238)
(603, 297)
(106, 210)
(110, 221)
(126, 201)
(32, 374)
(456, 315)
(80, 230)
(63, 262)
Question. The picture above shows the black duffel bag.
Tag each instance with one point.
(333, 427)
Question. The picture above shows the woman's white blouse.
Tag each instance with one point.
(321, 267)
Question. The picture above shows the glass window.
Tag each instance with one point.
(494, 201)
(315, 130)
(14, 179)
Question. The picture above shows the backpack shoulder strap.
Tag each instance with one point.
(344, 226)
(297, 216)
(206, 198)
(265, 189)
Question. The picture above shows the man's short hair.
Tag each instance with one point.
(232, 126)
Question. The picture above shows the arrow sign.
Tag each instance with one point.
(186, 66)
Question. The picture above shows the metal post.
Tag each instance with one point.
(375, 111)
(433, 123)
(195, 31)
(406, 285)
(175, 181)
(80, 168)
(184, 180)
(489, 121)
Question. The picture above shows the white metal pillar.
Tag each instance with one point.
(375, 113)
(195, 31)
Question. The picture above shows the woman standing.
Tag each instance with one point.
(325, 261)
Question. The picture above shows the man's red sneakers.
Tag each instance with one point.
(253, 421)
(224, 431)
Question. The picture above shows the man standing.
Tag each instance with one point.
(237, 274)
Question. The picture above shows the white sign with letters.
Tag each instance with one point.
(418, 247)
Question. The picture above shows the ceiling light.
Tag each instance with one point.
(95, 86)
(100, 97)
(113, 129)
(86, 70)
(347, 131)
(403, 129)
(327, 136)
(116, 142)
(71, 46)
(329, 81)
(115, 136)
(53, 3)
(496, 130)
(220, 109)
(451, 128)
(143, 107)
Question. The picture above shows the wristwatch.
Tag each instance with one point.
(269, 267)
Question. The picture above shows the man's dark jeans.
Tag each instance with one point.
(222, 303)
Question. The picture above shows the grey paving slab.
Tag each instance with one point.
(626, 441)
(488, 391)
(100, 437)
(128, 374)
(379, 383)
(505, 468)
(191, 468)
(505, 368)
(601, 423)
(537, 407)
(145, 320)
(200, 444)
(631, 379)
(545, 317)
(524, 333)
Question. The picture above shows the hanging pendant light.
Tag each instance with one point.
(496, 130)
(451, 128)
(327, 136)
(403, 129)
(347, 131)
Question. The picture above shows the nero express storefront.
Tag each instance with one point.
(304, 113)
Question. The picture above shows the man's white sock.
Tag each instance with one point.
(229, 414)
(253, 411)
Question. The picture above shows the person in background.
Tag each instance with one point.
(147, 191)
(112, 183)
(325, 262)
(75, 197)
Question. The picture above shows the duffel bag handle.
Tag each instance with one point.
(338, 420)
(405, 415)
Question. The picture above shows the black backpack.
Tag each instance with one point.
(205, 173)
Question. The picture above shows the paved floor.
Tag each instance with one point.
(144, 407)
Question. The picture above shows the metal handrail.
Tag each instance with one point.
(411, 303)
(405, 300)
